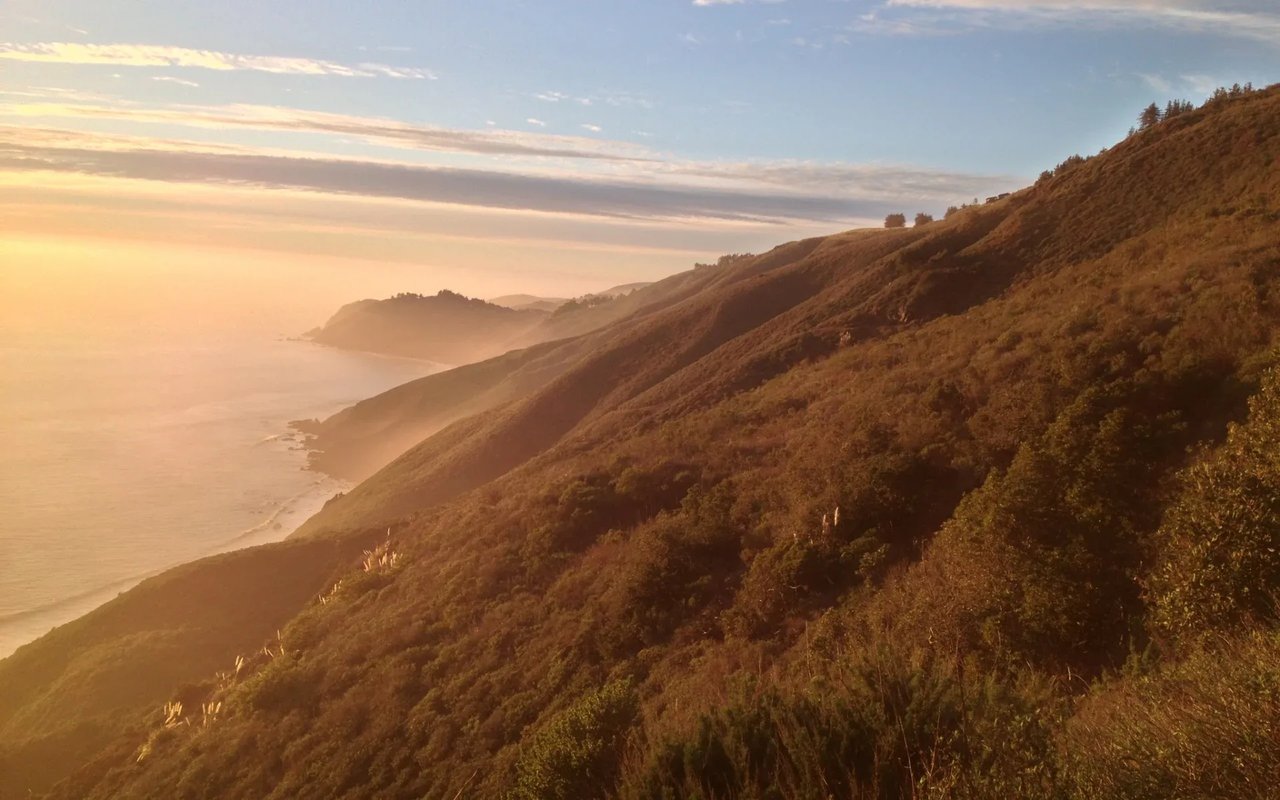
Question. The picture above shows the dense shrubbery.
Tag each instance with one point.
(578, 751)
(924, 564)
(1203, 727)
(1220, 546)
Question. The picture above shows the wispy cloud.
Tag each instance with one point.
(619, 99)
(1194, 84)
(144, 55)
(537, 123)
(557, 97)
(379, 130)
(754, 192)
(592, 128)
(1156, 82)
(1258, 21)
(172, 79)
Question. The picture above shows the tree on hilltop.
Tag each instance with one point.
(1150, 117)
(923, 219)
(895, 221)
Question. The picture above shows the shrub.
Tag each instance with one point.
(1038, 564)
(1220, 543)
(575, 755)
(879, 726)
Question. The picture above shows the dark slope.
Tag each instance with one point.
(449, 328)
(357, 441)
(446, 328)
(647, 589)
(67, 695)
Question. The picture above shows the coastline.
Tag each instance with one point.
(23, 627)
(282, 450)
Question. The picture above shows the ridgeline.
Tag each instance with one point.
(985, 508)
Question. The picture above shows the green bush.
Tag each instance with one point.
(575, 756)
(1220, 543)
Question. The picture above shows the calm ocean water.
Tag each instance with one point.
(121, 457)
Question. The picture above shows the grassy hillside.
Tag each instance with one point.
(361, 439)
(984, 508)
(72, 692)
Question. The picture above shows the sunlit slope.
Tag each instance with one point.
(631, 579)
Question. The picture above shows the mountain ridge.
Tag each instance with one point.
(804, 520)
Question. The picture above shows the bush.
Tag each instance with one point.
(895, 221)
(1221, 541)
(1038, 565)
(879, 726)
(576, 754)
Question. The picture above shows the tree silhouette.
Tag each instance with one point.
(923, 219)
(895, 221)
(1150, 117)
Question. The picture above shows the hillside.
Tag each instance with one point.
(984, 508)
(529, 301)
(446, 328)
(449, 328)
(359, 440)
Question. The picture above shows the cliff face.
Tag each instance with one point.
(804, 522)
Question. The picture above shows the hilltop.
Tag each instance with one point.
(450, 328)
(982, 508)
(447, 327)
(529, 301)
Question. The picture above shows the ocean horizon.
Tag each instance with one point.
(124, 456)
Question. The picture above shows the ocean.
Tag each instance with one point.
(125, 453)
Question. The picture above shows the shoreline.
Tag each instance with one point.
(20, 628)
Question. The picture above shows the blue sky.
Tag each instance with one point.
(634, 136)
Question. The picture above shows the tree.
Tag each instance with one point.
(1150, 117)
(1177, 107)
(895, 221)
(951, 212)
(923, 219)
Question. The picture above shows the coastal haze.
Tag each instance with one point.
(696, 398)
(144, 412)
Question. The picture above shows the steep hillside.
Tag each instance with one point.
(71, 693)
(359, 440)
(984, 508)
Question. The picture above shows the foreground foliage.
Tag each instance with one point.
(983, 508)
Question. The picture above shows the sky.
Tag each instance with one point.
(556, 147)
